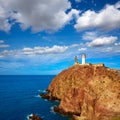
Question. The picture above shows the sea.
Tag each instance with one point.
(19, 97)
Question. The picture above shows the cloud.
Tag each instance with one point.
(74, 45)
(111, 50)
(82, 49)
(45, 50)
(2, 45)
(102, 45)
(90, 35)
(117, 5)
(1, 41)
(36, 14)
(35, 51)
(117, 44)
(4, 23)
(108, 49)
(97, 40)
(106, 19)
(101, 41)
(7, 53)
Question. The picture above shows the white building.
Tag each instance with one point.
(83, 58)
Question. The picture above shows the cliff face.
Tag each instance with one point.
(88, 92)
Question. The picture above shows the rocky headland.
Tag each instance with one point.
(87, 92)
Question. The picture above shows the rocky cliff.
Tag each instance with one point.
(88, 92)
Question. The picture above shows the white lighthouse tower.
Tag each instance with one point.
(83, 58)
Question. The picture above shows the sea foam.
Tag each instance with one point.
(42, 91)
(37, 96)
(51, 110)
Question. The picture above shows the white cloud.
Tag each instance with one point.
(73, 14)
(41, 16)
(45, 50)
(1, 56)
(97, 40)
(108, 49)
(2, 45)
(82, 49)
(36, 14)
(111, 50)
(117, 5)
(101, 41)
(1, 41)
(90, 35)
(106, 19)
(64, 52)
(35, 51)
(117, 44)
(4, 24)
(74, 45)
(7, 53)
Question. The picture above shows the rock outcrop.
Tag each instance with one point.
(34, 117)
(88, 92)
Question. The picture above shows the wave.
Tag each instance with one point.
(45, 100)
(29, 116)
(41, 98)
(37, 96)
(52, 110)
(42, 91)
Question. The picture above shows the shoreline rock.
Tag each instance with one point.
(34, 117)
(48, 97)
(61, 111)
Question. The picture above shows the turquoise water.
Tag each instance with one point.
(19, 97)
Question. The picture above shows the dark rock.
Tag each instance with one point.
(61, 111)
(45, 96)
(48, 97)
(47, 90)
(34, 117)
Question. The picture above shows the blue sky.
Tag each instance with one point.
(42, 37)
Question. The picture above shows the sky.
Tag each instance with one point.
(42, 37)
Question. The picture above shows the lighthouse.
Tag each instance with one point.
(83, 58)
(76, 59)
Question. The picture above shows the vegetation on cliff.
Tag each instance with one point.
(88, 92)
